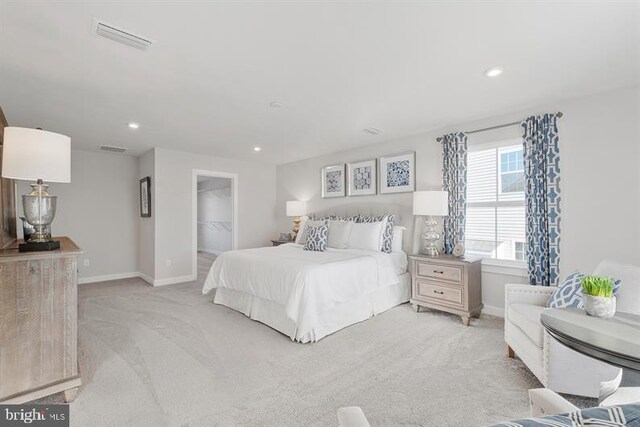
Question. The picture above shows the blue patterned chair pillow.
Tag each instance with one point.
(569, 293)
(317, 238)
(387, 233)
(611, 416)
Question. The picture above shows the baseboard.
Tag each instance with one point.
(173, 280)
(146, 278)
(107, 277)
(149, 280)
(493, 311)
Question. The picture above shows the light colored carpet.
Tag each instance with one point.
(168, 356)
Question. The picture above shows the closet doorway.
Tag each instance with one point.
(214, 218)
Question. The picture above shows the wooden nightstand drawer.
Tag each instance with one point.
(439, 272)
(441, 293)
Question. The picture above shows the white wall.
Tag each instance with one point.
(600, 184)
(98, 210)
(147, 226)
(173, 207)
(215, 205)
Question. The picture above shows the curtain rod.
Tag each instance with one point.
(558, 115)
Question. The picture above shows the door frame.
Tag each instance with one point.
(194, 212)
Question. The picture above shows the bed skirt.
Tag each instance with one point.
(342, 315)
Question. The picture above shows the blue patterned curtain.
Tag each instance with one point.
(542, 198)
(454, 180)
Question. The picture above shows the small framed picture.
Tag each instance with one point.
(333, 181)
(397, 173)
(145, 197)
(362, 178)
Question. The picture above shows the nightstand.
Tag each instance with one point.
(279, 242)
(447, 283)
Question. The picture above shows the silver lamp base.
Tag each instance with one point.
(431, 238)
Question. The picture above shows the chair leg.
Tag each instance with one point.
(510, 353)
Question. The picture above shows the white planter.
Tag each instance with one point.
(600, 306)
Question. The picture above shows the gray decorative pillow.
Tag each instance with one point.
(302, 234)
(387, 233)
(317, 238)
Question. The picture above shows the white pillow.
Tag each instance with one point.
(339, 232)
(396, 245)
(366, 236)
(301, 238)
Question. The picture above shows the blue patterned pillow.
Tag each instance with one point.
(317, 238)
(387, 233)
(569, 293)
(611, 416)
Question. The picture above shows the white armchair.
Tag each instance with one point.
(556, 366)
(543, 402)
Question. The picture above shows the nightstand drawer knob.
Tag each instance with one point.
(438, 272)
(438, 292)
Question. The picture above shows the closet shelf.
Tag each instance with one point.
(222, 193)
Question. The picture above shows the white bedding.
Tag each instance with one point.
(306, 283)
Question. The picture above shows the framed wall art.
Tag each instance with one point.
(362, 178)
(333, 182)
(397, 173)
(145, 197)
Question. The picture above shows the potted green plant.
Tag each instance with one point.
(598, 296)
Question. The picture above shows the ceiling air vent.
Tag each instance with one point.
(373, 131)
(111, 149)
(121, 36)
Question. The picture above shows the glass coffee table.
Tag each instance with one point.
(615, 341)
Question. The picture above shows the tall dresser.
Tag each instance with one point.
(447, 283)
(39, 323)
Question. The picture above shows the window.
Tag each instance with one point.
(495, 226)
(511, 171)
(519, 251)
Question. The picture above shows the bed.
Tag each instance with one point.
(308, 295)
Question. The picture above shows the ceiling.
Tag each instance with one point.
(206, 84)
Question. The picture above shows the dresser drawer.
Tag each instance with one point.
(444, 293)
(439, 272)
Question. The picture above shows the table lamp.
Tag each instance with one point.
(431, 204)
(34, 154)
(296, 209)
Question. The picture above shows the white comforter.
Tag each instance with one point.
(307, 283)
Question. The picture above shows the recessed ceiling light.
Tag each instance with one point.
(134, 125)
(275, 104)
(257, 148)
(494, 71)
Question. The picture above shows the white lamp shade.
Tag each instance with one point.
(434, 203)
(296, 208)
(32, 154)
